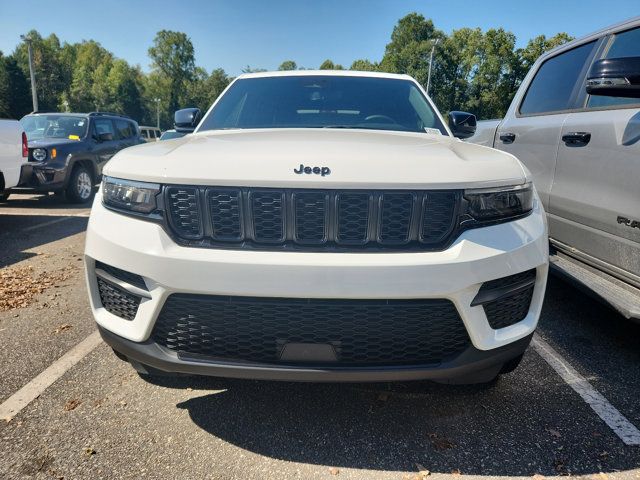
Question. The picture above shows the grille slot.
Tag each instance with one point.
(353, 218)
(437, 211)
(118, 301)
(362, 332)
(268, 213)
(184, 211)
(308, 219)
(225, 211)
(311, 212)
(395, 217)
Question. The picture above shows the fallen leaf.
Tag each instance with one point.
(62, 328)
(422, 472)
(89, 451)
(456, 472)
(441, 443)
(334, 471)
(72, 404)
(554, 433)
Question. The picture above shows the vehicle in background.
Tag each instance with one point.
(13, 153)
(318, 226)
(150, 134)
(575, 123)
(173, 133)
(67, 151)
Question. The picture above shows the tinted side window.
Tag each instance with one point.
(625, 44)
(551, 88)
(124, 129)
(104, 125)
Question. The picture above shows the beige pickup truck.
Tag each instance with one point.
(575, 123)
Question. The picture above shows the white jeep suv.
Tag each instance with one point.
(319, 226)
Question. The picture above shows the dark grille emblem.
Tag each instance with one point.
(322, 171)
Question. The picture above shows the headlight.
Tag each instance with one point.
(497, 204)
(39, 154)
(129, 195)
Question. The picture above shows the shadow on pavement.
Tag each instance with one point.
(529, 422)
(20, 233)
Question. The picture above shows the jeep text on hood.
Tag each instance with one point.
(319, 226)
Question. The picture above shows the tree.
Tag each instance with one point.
(52, 75)
(288, 65)
(173, 59)
(410, 47)
(329, 65)
(250, 69)
(363, 65)
(15, 93)
(91, 64)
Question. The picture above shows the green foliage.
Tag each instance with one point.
(363, 65)
(472, 70)
(329, 65)
(15, 92)
(288, 65)
(173, 60)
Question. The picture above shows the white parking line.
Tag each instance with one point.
(43, 214)
(32, 390)
(45, 224)
(622, 427)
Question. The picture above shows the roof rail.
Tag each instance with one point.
(111, 114)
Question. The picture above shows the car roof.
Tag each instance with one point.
(616, 27)
(330, 73)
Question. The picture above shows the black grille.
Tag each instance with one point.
(510, 309)
(130, 278)
(312, 219)
(118, 301)
(184, 211)
(362, 332)
(514, 307)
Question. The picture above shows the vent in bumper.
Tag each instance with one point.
(118, 301)
(506, 300)
(361, 332)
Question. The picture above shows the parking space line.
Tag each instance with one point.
(45, 224)
(32, 390)
(622, 427)
(44, 214)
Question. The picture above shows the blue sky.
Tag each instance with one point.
(234, 33)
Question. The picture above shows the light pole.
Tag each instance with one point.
(32, 72)
(433, 47)
(157, 100)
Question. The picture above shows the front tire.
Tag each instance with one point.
(80, 185)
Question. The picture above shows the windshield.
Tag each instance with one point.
(54, 126)
(324, 102)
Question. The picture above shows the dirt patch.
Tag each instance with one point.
(19, 286)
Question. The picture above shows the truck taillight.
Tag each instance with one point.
(25, 146)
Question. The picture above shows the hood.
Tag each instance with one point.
(50, 142)
(356, 159)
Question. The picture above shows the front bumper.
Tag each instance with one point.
(42, 177)
(456, 274)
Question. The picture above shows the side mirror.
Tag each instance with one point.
(186, 120)
(462, 124)
(615, 77)
(105, 137)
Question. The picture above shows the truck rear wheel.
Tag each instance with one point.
(80, 185)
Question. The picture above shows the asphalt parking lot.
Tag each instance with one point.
(101, 420)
